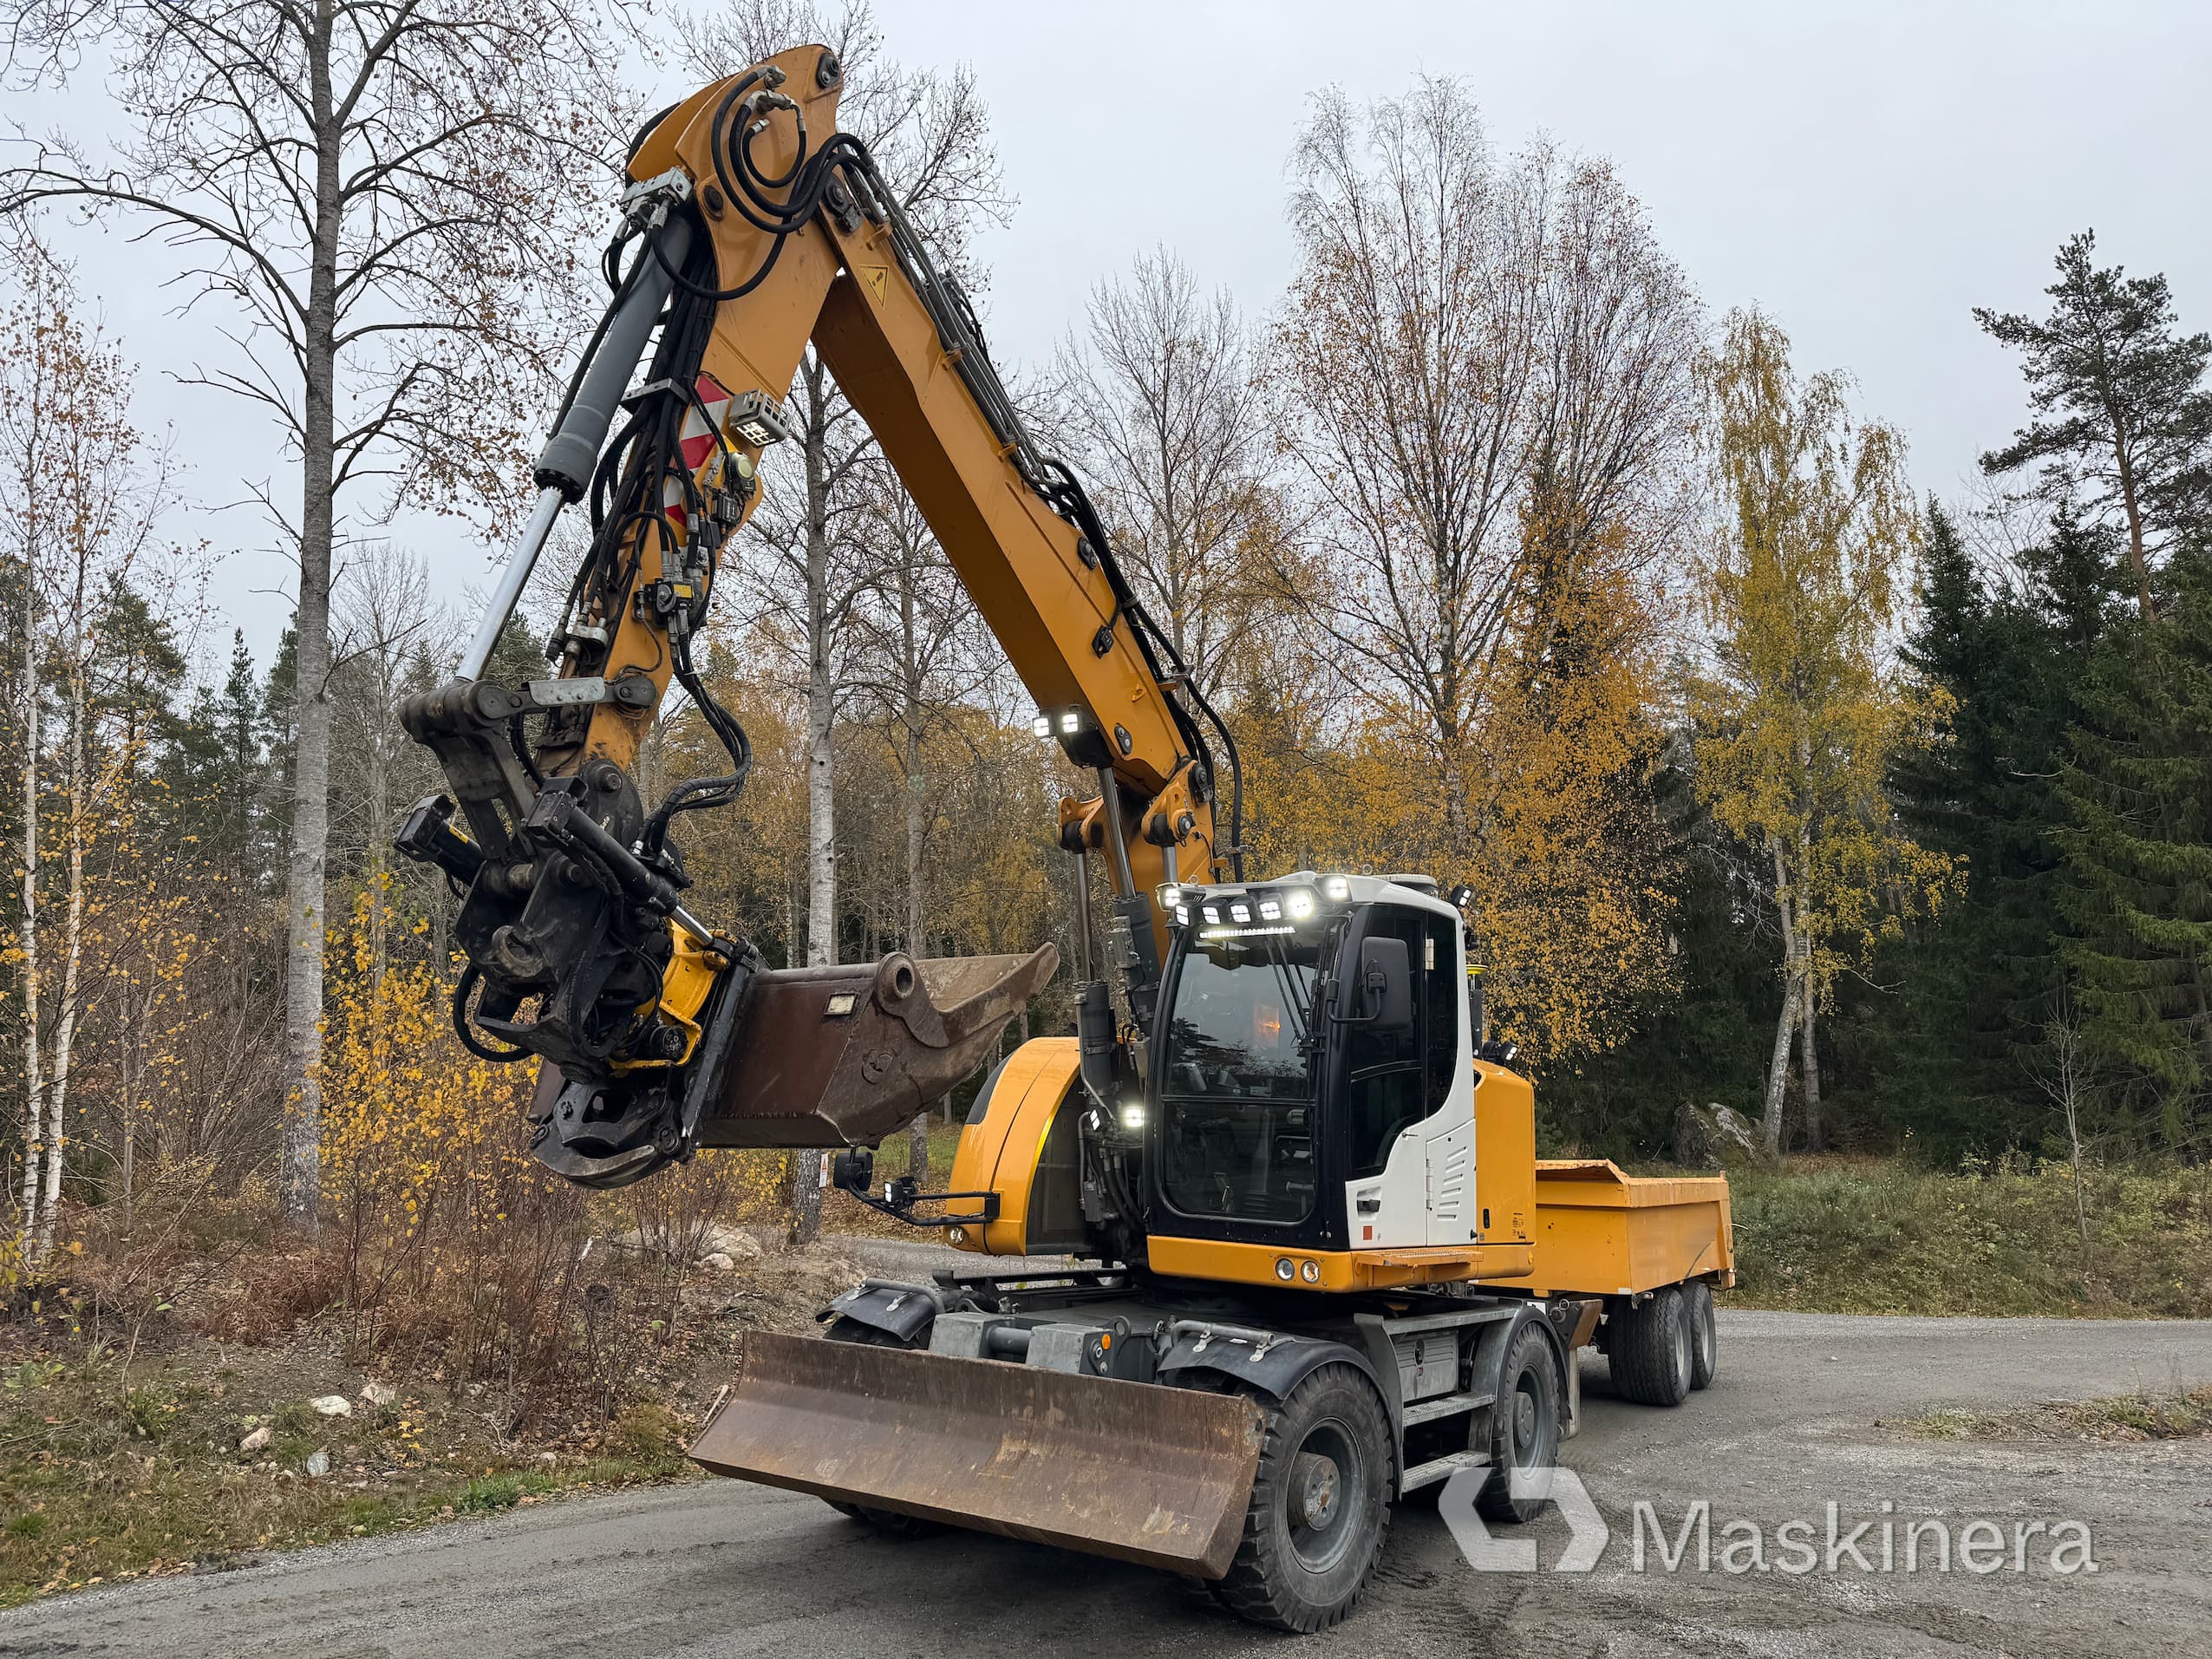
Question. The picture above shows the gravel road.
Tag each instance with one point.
(1795, 1419)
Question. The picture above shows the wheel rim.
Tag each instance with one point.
(1328, 1483)
(1682, 1341)
(1706, 1340)
(1528, 1425)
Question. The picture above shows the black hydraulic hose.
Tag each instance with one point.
(466, 1032)
(716, 296)
(518, 741)
(750, 170)
(645, 132)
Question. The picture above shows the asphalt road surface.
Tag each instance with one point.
(1797, 1418)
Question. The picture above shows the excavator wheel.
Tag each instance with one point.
(1523, 1428)
(1320, 1507)
(884, 1522)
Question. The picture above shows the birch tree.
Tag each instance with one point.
(919, 661)
(1401, 369)
(1158, 402)
(84, 499)
(1808, 568)
(1470, 346)
(1482, 390)
(379, 198)
(383, 641)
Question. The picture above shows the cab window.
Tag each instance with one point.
(1386, 1089)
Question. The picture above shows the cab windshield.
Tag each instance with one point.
(1236, 1078)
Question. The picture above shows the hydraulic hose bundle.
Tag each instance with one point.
(625, 488)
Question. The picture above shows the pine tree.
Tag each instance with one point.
(2126, 425)
(1974, 992)
(2139, 862)
(216, 791)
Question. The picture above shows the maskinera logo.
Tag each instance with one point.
(1884, 1543)
(1588, 1533)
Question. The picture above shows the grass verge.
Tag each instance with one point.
(1845, 1235)
(104, 1477)
(2133, 1417)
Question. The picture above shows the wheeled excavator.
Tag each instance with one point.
(1298, 1256)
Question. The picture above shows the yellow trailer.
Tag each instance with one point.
(1600, 1231)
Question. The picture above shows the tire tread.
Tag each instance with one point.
(1495, 1502)
(1252, 1589)
(1642, 1351)
(1697, 1296)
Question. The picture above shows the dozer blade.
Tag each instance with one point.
(1156, 1475)
(844, 1055)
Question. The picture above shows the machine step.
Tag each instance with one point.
(1448, 1405)
(1438, 1469)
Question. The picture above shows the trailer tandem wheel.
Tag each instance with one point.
(1705, 1333)
(1651, 1349)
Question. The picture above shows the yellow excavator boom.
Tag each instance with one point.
(753, 228)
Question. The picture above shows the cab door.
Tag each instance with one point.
(1406, 1152)
(1448, 1057)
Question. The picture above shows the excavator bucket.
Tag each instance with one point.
(1156, 1475)
(800, 1057)
(844, 1055)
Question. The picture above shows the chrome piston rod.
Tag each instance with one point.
(513, 580)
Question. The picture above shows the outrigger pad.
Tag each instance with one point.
(844, 1055)
(1142, 1471)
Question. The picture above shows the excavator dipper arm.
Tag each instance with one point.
(751, 228)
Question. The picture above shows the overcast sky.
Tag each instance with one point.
(1867, 174)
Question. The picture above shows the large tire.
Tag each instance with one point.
(1705, 1333)
(1524, 1427)
(1320, 1506)
(1651, 1349)
(884, 1522)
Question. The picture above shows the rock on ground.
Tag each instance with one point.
(1713, 1137)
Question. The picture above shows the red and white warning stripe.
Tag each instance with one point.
(697, 440)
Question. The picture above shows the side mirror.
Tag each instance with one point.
(1385, 985)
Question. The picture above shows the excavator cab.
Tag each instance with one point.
(1289, 1057)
